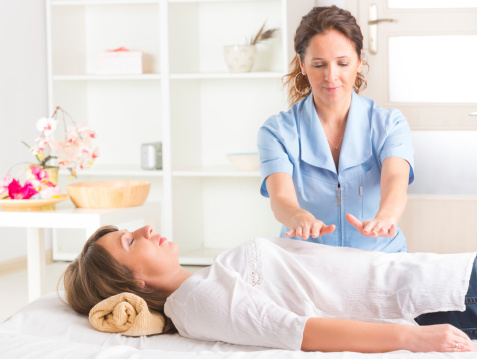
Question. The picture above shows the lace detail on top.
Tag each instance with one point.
(254, 262)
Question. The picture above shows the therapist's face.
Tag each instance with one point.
(331, 64)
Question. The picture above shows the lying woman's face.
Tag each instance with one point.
(152, 258)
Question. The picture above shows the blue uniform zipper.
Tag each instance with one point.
(339, 205)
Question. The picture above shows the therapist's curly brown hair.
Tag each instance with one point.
(95, 275)
(320, 20)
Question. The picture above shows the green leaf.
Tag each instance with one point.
(26, 144)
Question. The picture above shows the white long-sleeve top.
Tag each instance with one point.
(262, 292)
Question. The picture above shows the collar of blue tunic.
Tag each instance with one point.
(356, 147)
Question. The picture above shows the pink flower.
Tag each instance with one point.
(17, 191)
(76, 150)
(4, 185)
(46, 125)
(39, 173)
(50, 192)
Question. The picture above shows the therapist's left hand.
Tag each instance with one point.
(377, 227)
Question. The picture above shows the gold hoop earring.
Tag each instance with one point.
(294, 84)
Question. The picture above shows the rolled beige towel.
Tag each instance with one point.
(128, 314)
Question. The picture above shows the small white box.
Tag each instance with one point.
(119, 62)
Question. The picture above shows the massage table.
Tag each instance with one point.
(48, 328)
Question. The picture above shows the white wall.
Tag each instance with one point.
(23, 94)
(445, 162)
(339, 3)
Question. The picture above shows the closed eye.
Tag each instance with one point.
(130, 243)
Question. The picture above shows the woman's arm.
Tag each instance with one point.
(394, 183)
(336, 335)
(287, 211)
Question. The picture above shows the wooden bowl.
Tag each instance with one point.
(108, 194)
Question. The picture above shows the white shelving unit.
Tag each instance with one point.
(99, 78)
(186, 99)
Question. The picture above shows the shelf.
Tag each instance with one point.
(139, 2)
(106, 77)
(214, 171)
(114, 170)
(218, 1)
(200, 256)
(184, 76)
(185, 98)
(103, 2)
(227, 75)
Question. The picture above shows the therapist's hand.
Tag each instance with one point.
(304, 225)
(376, 227)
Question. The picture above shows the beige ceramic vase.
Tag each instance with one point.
(240, 58)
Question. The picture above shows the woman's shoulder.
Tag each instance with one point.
(382, 120)
(377, 112)
(286, 120)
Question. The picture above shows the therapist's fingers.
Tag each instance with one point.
(327, 229)
(383, 232)
(295, 233)
(299, 232)
(364, 228)
(380, 229)
(316, 228)
(355, 222)
(368, 227)
(291, 233)
(319, 229)
(372, 228)
(392, 231)
(306, 232)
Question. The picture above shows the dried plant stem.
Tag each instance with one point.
(261, 35)
(257, 37)
(63, 118)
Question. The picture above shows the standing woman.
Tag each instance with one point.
(336, 166)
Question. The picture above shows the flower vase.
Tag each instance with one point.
(52, 173)
(240, 58)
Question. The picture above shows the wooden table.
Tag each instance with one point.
(67, 216)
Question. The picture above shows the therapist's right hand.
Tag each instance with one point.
(304, 224)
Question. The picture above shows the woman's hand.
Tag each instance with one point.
(439, 338)
(305, 224)
(376, 227)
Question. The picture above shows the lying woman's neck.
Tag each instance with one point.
(167, 285)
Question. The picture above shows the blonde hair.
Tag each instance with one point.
(95, 275)
(318, 21)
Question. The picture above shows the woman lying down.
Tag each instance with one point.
(293, 295)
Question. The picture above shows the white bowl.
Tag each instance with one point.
(244, 161)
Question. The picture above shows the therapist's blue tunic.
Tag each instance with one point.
(294, 142)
